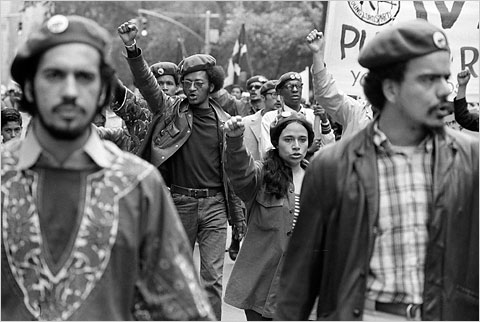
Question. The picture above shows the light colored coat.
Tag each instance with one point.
(252, 137)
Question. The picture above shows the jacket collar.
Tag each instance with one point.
(31, 151)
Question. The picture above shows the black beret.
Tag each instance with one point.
(283, 119)
(401, 42)
(256, 79)
(196, 63)
(56, 31)
(286, 77)
(267, 86)
(165, 68)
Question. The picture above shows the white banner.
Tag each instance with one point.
(352, 23)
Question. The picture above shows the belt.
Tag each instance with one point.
(195, 193)
(410, 311)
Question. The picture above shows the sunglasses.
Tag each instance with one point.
(274, 94)
(198, 84)
(255, 87)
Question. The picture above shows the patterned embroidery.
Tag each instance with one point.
(50, 296)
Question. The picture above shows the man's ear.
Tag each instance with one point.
(28, 91)
(390, 89)
(211, 86)
(103, 96)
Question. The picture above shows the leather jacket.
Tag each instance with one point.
(330, 251)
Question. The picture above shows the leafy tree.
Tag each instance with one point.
(275, 30)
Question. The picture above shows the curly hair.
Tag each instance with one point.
(107, 76)
(277, 175)
(372, 82)
(11, 114)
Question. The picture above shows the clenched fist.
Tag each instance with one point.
(234, 127)
(128, 32)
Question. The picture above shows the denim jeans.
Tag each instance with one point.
(205, 221)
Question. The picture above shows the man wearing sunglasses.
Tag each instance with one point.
(185, 142)
(253, 87)
(289, 89)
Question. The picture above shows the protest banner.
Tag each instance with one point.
(350, 24)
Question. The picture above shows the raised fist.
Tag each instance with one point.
(316, 41)
(128, 32)
(234, 126)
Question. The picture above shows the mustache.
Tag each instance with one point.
(67, 103)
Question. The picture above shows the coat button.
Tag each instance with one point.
(356, 312)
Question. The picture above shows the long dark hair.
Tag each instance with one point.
(276, 174)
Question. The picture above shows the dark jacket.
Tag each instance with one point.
(463, 116)
(330, 250)
(172, 123)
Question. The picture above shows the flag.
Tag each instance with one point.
(306, 85)
(239, 68)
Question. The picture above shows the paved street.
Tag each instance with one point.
(229, 313)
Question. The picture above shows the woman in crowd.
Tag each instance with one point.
(271, 191)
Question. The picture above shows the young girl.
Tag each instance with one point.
(271, 191)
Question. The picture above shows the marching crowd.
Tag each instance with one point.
(339, 211)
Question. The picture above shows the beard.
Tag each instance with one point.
(61, 133)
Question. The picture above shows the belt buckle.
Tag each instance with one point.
(410, 311)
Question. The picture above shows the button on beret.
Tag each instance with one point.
(267, 86)
(196, 63)
(401, 42)
(56, 31)
(256, 79)
(286, 77)
(165, 68)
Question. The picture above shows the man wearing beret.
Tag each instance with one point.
(253, 87)
(289, 89)
(394, 234)
(252, 135)
(134, 110)
(88, 232)
(186, 142)
(234, 106)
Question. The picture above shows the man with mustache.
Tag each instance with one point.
(388, 225)
(186, 142)
(89, 232)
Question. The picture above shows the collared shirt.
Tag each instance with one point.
(405, 197)
(93, 152)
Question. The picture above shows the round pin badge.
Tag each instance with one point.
(439, 39)
(160, 71)
(57, 24)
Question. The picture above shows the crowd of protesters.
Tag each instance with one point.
(339, 210)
